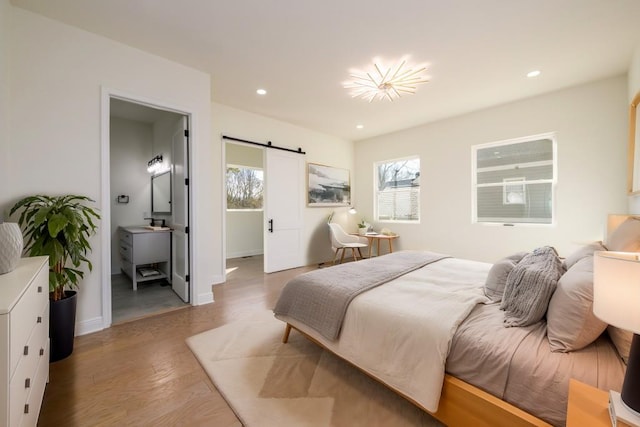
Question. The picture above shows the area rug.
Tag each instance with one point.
(271, 384)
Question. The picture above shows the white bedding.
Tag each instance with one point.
(420, 314)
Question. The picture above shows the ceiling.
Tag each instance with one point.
(301, 51)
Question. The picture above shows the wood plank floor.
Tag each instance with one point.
(142, 373)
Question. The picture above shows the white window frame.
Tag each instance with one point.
(233, 165)
(376, 191)
(553, 181)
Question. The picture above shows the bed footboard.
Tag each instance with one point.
(461, 404)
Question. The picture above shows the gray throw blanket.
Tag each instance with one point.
(319, 299)
(530, 286)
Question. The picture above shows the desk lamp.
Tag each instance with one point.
(616, 300)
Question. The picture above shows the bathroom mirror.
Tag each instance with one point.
(161, 193)
(633, 155)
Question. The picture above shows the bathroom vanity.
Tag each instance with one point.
(145, 253)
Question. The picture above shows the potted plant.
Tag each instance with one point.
(363, 227)
(59, 227)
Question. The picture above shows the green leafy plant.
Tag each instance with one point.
(363, 224)
(58, 227)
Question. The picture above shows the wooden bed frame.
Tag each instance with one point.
(461, 404)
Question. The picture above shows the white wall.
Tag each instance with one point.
(591, 125)
(163, 131)
(244, 155)
(320, 148)
(5, 39)
(633, 88)
(245, 233)
(57, 73)
(634, 74)
(130, 149)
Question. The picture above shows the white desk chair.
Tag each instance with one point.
(341, 241)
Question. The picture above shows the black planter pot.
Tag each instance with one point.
(62, 326)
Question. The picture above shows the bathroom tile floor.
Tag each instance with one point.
(151, 298)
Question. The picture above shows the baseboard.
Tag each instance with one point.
(89, 326)
(241, 254)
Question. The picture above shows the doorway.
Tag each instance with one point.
(148, 210)
(263, 219)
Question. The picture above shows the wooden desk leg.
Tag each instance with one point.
(390, 246)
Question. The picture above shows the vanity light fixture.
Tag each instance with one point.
(155, 165)
(386, 83)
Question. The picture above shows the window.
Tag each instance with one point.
(514, 180)
(398, 190)
(244, 188)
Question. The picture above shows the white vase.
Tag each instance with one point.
(10, 246)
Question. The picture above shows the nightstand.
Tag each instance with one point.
(588, 406)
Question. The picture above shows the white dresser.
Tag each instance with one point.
(24, 334)
(141, 247)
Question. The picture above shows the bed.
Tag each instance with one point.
(479, 372)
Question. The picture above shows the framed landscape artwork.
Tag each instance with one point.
(327, 186)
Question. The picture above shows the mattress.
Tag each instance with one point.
(516, 364)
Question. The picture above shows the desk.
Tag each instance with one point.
(376, 238)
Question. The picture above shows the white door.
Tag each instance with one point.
(180, 210)
(284, 207)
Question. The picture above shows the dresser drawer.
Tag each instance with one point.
(31, 410)
(126, 251)
(25, 316)
(127, 267)
(24, 379)
(126, 237)
(151, 247)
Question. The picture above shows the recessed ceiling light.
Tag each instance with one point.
(261, 92)
(534, 73)
(359, 126)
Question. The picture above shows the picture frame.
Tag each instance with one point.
(328, 186)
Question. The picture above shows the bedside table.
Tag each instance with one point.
(588, 406)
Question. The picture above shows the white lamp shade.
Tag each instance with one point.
(616, 289)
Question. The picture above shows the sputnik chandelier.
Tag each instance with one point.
(385, 83)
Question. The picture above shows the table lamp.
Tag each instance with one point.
(616, 300)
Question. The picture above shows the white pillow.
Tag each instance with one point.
(584, 251)
(622, 340)
(571, 324)
(497, 277)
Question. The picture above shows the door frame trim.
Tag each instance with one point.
(106, 94)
